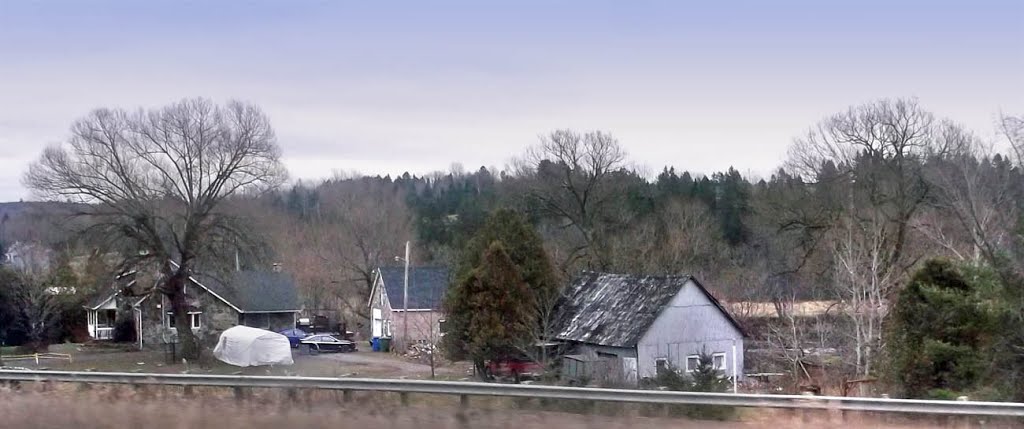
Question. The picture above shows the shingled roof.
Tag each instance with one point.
(254, 291)
(427, 286)
(617, 309)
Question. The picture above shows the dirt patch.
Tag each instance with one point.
(369, 364)
(356, 364)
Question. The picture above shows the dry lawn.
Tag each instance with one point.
(74, 406)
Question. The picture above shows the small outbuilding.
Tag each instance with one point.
(245, 346)
(644, 324)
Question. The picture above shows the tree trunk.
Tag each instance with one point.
(187, 341)
(481, 369)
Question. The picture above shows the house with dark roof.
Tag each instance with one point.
(260, 299)
(639, 325)
(417, 319)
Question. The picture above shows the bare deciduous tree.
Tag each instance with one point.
(364, 226)
(978, 191)
(574, 182)
(875, 154)
(155, 181)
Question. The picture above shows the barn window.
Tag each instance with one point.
(718, 359)
(692, 362)
(661, 366)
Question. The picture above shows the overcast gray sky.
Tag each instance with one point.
(417, 87)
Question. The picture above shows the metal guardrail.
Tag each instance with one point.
(466, 389)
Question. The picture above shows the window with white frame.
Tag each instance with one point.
(692, 362)
(718, 360)
(195, 320)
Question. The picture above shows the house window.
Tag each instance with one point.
(106, 318)
(692, 362)
(194, 320)
(718, 359)
(661, 366)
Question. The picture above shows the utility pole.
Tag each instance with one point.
(405, 300)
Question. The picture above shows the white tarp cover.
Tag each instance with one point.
(245, 346)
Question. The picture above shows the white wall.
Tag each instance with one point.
(689, 323)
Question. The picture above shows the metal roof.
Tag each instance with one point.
(617, 309)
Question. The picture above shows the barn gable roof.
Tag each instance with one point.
(617, 309)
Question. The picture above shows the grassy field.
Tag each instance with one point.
(64, 406)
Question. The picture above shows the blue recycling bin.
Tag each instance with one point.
(375, 344)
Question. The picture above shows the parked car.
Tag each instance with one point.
(327, 343)
(514, 368)
(295, 335)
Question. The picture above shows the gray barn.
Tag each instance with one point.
(640, 324)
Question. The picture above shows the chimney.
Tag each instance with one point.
(277, 267)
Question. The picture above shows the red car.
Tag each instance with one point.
(513, 367)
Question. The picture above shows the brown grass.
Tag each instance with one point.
(67, 406)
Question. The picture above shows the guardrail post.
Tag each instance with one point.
(142, 390)
(293, 395)
(187, 390)
(239, 393)
(835, 413)
(403, 397)
(346, 395)
(965, 422)
(464, 401)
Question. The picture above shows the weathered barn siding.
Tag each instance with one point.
(689, 324)
(604, 351)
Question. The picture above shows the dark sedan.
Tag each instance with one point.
(327, 343)
(295, 335)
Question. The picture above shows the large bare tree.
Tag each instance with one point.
(869, 162)
(573, 181)
(364, 225)
(155, 180)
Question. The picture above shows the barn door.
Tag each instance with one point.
(629, 369)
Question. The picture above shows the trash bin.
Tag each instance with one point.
(385, 344)
(375, 344)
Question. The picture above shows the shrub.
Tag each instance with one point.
(704, 378)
